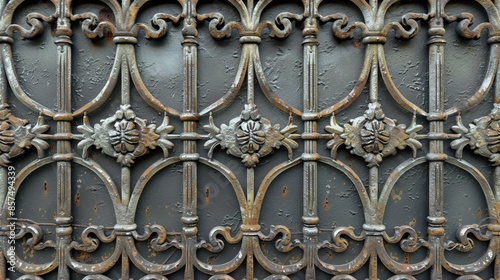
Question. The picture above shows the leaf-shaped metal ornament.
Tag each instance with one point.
(163, 131)
(483, 136)
(250, 136)
(16, 135)
(373, 136)
(125, 136)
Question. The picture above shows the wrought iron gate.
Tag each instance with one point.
(253, 139)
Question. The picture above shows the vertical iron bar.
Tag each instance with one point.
(373, 189)
(247, 239)
(310, 116)
(189, 118)
(436, 155)
(63, 155)
(125, 43)
(250, 77)
(373, 173)
(125, 171)
(250, 184)
(250, 43)
(250, 187)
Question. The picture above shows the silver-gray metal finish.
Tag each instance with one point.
(158, 164)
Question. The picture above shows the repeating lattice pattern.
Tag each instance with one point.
(251, 136)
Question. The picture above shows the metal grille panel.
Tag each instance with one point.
(249, 140)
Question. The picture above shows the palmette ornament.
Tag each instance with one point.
(124, 136)
(373, 136)
(250, 136)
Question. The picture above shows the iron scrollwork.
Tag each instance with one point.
(250, 136)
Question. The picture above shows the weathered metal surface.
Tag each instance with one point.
(242, 145)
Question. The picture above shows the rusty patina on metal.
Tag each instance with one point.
(375, 136)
